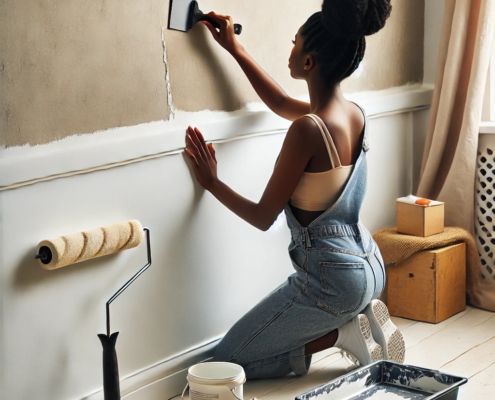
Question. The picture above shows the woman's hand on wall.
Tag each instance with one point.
(226, 36)
(295, 154)
(203, 158)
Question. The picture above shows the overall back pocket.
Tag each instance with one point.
(343, 286)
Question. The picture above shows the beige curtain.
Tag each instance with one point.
(448, 170)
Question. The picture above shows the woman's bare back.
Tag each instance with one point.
(346, 125)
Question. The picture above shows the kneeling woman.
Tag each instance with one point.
(319, 181)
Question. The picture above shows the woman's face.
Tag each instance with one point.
(296, 59)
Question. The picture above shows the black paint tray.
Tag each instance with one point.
(388, 380)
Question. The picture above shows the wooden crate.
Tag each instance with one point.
(428, 286)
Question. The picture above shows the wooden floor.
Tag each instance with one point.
(462, 345)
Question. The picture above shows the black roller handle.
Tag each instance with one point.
(197, 15)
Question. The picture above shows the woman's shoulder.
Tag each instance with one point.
(306, 125)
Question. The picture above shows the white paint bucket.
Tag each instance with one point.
(215, 380)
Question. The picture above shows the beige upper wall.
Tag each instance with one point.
(394, 55)
(78, 67)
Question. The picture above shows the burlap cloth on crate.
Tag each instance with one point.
(396, 247)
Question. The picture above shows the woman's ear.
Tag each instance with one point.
(309, 62)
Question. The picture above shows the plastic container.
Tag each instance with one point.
(215, 380)
(388, 380)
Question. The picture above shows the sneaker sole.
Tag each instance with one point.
(375, 349)
(386, 332)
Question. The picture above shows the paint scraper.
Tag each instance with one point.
(184, 14)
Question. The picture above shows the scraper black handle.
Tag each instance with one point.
(237, 27)
(196, 15)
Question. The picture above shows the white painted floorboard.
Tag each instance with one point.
(462, 345)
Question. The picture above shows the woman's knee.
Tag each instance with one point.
(221, 352)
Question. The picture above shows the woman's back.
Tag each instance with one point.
(345, 124)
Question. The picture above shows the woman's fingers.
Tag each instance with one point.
(222, 29)
(200, 136)
(212, 151)
(216, 17)
(213, 31)
(225, 22)
(194, 148)
(202, 155)
(204, 146)
(191, 156)
(224, 17)
(222, 20)
(194, 137)
(199, 143)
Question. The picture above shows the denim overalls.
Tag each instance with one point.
(339, 270)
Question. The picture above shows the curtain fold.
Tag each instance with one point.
(448, 168)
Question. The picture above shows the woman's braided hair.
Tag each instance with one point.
(335, 36)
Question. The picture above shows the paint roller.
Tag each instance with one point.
(81, 246)
(77, 247)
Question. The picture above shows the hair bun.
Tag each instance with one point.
(353, 19)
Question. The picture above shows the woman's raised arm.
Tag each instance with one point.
(269, 91)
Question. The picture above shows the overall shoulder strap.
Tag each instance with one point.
(332, 150)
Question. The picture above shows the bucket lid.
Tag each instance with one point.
(216, 373)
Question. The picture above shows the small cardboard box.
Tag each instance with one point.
(428, 286)
(420, 220)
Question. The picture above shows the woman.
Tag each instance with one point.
(319, 181)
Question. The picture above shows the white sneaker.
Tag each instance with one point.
(385, 332)
(355, 337)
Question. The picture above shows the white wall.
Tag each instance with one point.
(209, 266)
